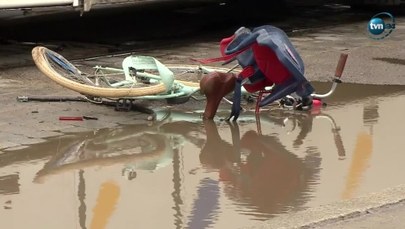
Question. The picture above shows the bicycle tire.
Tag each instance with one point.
(40, 56)
(41, 60)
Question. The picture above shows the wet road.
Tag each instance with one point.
(183, 173)
(188, 174)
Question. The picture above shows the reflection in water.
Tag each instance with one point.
(109, 147)
(256, 172)
(362, 151)
(106, 202)
(361, 155)
(176, 194)
(336, 136)
(81, 193)
(270, 179)
(9, 184)
(370, 113)
(259, 174)
(304, 121)
(206, 205)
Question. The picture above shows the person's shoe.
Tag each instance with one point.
(305, 104)
(287, 102)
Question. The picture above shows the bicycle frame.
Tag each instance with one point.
(175, 89)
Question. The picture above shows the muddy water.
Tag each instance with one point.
(180, 172)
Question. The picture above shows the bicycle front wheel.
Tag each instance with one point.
(60, 70)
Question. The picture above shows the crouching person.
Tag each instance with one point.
(267, 58)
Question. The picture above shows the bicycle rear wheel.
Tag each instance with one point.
(60, 70)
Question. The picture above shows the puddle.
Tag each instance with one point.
(187, 173)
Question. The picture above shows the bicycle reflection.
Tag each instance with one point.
(254, 170)
(146, 149)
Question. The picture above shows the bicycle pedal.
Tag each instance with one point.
(123, 105)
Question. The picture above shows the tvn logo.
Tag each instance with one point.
(381, 25)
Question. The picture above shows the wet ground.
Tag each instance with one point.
(189, 173)
(180, 172)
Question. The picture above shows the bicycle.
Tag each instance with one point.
(146, 78)
(141, 77)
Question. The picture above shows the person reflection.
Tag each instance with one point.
(215, 154)
(271, 179)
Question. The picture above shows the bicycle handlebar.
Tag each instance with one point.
(341, 65)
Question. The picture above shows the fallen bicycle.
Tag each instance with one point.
(267, 65)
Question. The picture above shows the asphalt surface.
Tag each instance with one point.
(384, 209)
(370, 62)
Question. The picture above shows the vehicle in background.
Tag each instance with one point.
(376, 3)
(86, 5)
